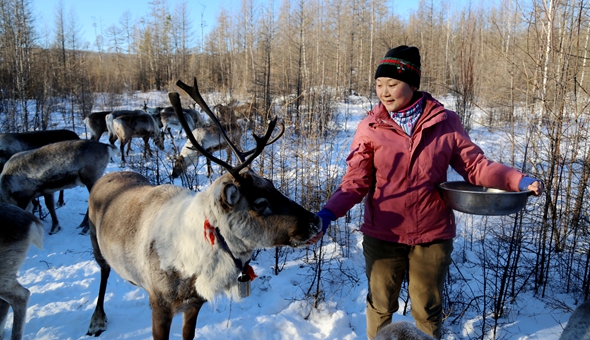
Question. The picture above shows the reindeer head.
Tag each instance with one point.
(252, 202)
(257, 215)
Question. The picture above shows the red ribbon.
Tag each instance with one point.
(250, 272)
(209, 232)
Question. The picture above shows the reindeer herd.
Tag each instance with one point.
(150, 235)
(182, 247)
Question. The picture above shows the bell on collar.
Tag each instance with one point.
(243, 285)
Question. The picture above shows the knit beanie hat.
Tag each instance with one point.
(402, 63)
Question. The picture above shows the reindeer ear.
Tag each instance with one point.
(231, 194)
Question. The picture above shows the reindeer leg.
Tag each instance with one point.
(146, 146)
(112, 139)
(60, 199)
(84, 224)
(4, 306)
(89, 182)
(189, 322)
(98, 323)
(16, 296)
(209, 168)
(50, 204)
(129, 146)
(122, 148)
(161, 318)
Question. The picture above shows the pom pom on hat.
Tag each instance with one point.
(402, 63)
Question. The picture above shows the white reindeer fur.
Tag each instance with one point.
(186, 249)
(179, 247)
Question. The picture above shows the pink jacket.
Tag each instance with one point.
(399, 174)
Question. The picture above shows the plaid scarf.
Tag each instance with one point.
(408, 117)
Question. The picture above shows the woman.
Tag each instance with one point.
(400, 153)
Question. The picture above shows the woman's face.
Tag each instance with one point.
(394, 94)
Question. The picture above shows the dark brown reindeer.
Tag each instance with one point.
(186, 247)
(126, 127)
(18, 229)
(53, 167)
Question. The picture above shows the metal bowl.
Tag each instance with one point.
(478, 200)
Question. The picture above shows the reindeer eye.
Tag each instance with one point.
(261, 205)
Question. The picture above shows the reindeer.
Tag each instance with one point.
(57, 166)
(183, 247)
(401, 330)
(109, 118)
(12, 143)
(196, 116)
(141, 125)
(235, 110)
(578, 326)
(169, 118)
(18, 229)
(211, 139)
(96, 124)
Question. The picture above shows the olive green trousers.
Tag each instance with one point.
(386, 265)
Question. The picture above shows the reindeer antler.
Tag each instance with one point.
(261, 142)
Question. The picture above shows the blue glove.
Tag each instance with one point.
(524, 183)
(327, 216)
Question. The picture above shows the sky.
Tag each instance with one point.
(63, 277)
(92, 15)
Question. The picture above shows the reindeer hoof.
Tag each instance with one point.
(54, 230)
(97, 334)
(97, 325)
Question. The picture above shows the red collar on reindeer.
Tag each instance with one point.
(211, 233)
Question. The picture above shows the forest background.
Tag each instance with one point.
(522, 63)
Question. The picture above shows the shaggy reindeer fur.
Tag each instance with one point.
(401, 330)
(210, 138)
(578, 326)
(18, 229)
(143, 125)
(157, 237)
(54, 167)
